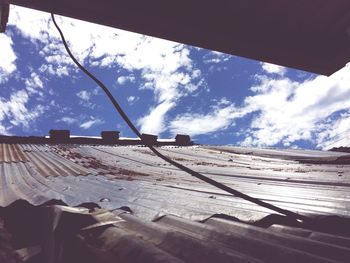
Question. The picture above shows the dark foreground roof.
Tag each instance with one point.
(96, 235)
(308, 35)
(166, 215)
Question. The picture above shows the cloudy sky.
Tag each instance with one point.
(165, 87)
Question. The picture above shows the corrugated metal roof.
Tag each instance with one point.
(97, 235)
(51, 164)
(35, 148)
(11, 153)
(306, 188)
(130, 176)
(229, 241)
(216, 240)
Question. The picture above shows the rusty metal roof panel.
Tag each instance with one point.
(15, 184)
(51, 164)
(130, 176)
(104, 236)
(35, 148)
(11, 153)
(148, 181)
(183, 219)
(284, 154)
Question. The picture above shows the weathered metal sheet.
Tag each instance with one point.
(305, 188)
(287, 154)
(35, 147)
(192, 221)
(11, 153)
(134, 178)
(257, 242)
(96, 235)
(51, 164)
(337, 240)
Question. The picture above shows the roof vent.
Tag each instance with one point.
(149, 138)
(59, 135)
(110, 136)
(182, 139)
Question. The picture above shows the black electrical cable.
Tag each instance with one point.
(208, 180)
(339, 139)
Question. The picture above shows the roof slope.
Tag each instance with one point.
(186, 212)
(116, 176)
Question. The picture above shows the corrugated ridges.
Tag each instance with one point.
(156, 188)
(35, 147)
(256, 242)
(11, 153)
(337, 240)
(17, 182)
(282, 243)
(94, 163)
(216, 240)
(51, 164)
(118, 235)
(175, 201)
(25, 181)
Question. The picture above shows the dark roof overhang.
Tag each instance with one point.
(308, 35)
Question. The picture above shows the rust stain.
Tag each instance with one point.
(91, 162)
(52, 164)
(212, 164)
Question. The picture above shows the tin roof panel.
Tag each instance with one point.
(11, 153)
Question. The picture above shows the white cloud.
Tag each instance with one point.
(124, 79)
(16, 112)
(215, 57)
(132, 99)
(26, 20)
(7, 57)
(44, 37)
(273, 69)
(153, 123)
(96, 91)
(221, 117)
(4, 130)
(84, 95)
(85, 98)
(168, 89)
(165, 66)
(335, 133)
(68, 120)
(284, 111)
(287, 111)
(92, 122)
(34, 84)
(58, 70)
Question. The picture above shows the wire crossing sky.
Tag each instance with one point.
(165, 88)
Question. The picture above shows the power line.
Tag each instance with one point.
(340, 139)
(204, 178)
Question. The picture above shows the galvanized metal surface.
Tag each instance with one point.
(35, 147)
(174, 239)
(191, 217)
(11, 153)
(116, 176)
(96, 235)
(292, 154)
(51, 164)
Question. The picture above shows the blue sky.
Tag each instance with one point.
(165, 87)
